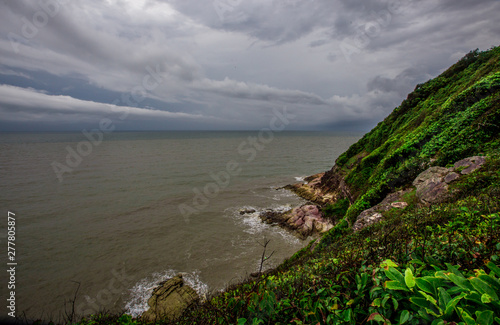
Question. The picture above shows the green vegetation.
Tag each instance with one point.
(336, 210)
(434, 264)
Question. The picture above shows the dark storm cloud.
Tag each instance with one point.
(228, 63)
(402, 84)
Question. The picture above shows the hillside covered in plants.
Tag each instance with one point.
(425, 262)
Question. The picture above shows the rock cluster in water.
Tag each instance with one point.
(304, 221)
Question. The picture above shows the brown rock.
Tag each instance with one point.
(169, 300)
(399, 205)
(304, 221)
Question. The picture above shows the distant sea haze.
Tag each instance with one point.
(143, 206)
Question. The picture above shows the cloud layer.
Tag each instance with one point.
(225, 64)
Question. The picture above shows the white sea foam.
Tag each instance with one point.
(137, 302)
(254, 225)
(300, 178)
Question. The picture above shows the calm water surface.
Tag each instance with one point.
(113, 223)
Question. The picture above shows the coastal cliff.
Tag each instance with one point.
(414, 220)
(415, 210)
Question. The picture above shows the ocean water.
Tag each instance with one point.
(124, 213)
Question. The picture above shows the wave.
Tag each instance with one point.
(253, 224)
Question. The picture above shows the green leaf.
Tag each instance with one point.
(395, 275)
(376, 317)
(421, 302)
(424, 285)
(461, 282)
(409, 278)
(495, 269)
(395, 303)
(388, 263)
(466, 317)
(492, 281)
(403, 318)
(444, 298)
(452, 303)
(484, 317)
(483, 287)
(486, 299)
(377, 302)
(395, 285)
(242, 321)
(437, 322)
(385, 300)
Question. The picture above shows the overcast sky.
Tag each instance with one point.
(226, 64)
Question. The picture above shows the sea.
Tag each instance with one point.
(101, 218)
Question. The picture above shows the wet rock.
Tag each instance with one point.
(323, 188)
(169, 300)
(247, 211)
(304, 221)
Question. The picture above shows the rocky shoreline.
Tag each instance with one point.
(172, 297)
(431, 185)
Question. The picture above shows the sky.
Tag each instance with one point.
(69, 65)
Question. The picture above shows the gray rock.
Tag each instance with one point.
(374, 215)
(169, 300)
(433, 174)
(470, 164)
(451, 177)
(432, 184)
(304, 221)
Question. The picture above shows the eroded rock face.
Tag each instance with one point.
(323, 188)
(304, 221)
(169, 300)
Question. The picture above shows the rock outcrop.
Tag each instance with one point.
(432, 184)
(169, 300)
(373, 214)
(323, 188)
(304, 221)
(431, 187)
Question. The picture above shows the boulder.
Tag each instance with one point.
(432, 184)
(470, 164)
(451, 177)
(374, 215)
(304, 221)
(169, 300)
(247, 211)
